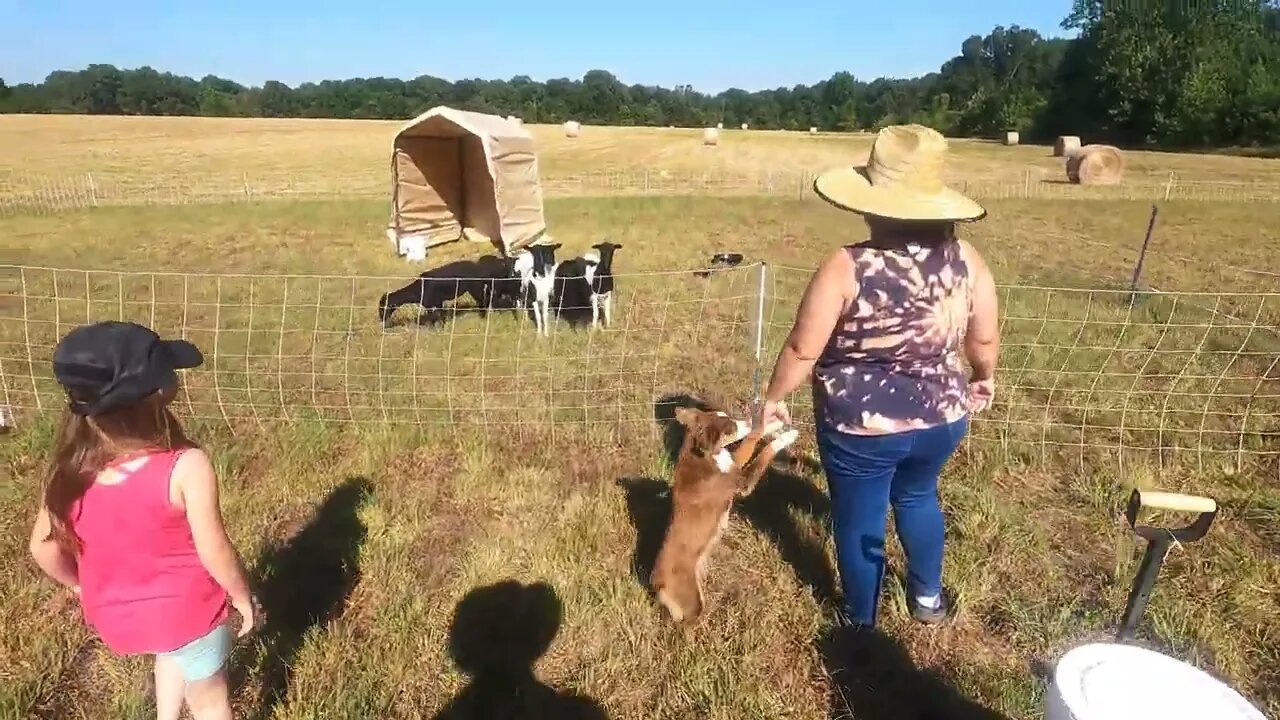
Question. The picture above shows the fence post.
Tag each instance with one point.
(93, 190)
(248, 194)
(1168, 189)
(756, 395)
(646, 181)
(1142, 255)
(1026, 186)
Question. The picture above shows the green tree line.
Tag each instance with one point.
(1189, 73)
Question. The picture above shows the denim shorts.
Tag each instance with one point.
(203, 657)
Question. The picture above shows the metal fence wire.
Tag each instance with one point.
(1087, 376)
(33, 193)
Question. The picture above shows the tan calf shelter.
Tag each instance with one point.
(461, 174)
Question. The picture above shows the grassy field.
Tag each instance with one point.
(485, 505)
(49, 159)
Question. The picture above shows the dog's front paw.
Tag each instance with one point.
(784, 440)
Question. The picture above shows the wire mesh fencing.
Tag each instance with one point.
(289, 347)
(32, 193)
(1089, 377)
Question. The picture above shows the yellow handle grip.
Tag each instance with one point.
(1177, 502)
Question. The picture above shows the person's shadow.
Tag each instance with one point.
(305, 584)
(499, 631)
(873, 678)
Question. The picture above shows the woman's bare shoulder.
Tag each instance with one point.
(972, 257)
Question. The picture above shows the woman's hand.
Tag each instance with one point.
(982, 393)
(773, 410)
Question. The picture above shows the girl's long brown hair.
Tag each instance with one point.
(86, 445)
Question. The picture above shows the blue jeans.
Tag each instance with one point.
(867, 473)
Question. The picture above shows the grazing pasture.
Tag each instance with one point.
(48, 160)
(427, 508)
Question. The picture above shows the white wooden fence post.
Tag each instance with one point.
(93, 190)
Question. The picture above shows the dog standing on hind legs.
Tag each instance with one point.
(708, 476)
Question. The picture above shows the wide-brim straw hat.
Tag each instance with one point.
(902, 179)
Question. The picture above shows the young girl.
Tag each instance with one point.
(130, 519)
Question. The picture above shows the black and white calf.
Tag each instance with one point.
(536, 268)
(586, 283)
(600, 279)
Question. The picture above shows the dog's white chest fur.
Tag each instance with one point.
(724, 461)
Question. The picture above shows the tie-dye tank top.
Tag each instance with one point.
(893, 362)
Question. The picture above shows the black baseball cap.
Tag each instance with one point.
(112, 364)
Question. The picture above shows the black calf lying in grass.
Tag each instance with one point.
(489, 280)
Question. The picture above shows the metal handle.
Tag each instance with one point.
(1158, 542)
(1206, 507)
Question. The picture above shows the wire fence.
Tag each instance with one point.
(27, 193)
(1090, 377)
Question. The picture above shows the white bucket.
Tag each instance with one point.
(1105, 681)
(413, 248)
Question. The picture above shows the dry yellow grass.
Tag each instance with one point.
(367, 587)
(349, 157)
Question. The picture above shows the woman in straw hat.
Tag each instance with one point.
(882, 329)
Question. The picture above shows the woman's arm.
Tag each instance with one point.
(49, 555)
(982, 338)
(824, 301)
(198, 488)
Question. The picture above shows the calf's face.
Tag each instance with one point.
(544, 258)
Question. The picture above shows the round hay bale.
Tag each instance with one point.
(1011, 138)
(720, 126)
(1066, 145)
(813, 131)
(1096, 165)
(746, 126)
(515, 120)
(711, 137)
(572, 129)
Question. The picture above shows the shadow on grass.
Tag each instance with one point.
(873, 678)
(771, 509)
(649, 506)
(306, 584)
(499, 631)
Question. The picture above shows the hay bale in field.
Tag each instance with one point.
(813, 131)
(746, 126)
(711, 137)
(1066, 145)
(1096, 165)
(572, 129)
(720, 126)
(515, 120)
(1011, 138)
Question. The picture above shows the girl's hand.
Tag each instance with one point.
(250, 614)
(773, 410)
(982, 393)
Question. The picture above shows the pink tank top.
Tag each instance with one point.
(142, 586)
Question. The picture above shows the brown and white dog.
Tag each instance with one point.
(708, 476)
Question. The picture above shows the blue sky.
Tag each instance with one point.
(712, 45)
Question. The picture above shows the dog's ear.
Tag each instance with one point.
(687, 417)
